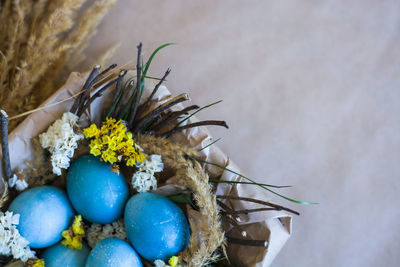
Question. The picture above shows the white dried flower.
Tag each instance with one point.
(11, 242)
(20, 184)
(98, 232)
(160, 263)
(61, 141)
(143, 180)
(152, 164)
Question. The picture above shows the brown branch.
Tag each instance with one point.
(101, 74)
(157, 86)
(278, 207)
(247, 242)
(79, 102)
(247, 211)
(117, 96)
(97, 94)
(138, 86)
(172, 116)
(156, 112)
(122, 103)
(196, 124)
(4, 144)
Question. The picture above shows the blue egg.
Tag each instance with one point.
(44, 213)
(113, 252)
(155, 226)
(97, 193)
(60, 255)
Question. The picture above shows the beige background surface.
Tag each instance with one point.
(311, 93)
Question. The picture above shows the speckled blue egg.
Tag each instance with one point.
(156, 227)
(44, 213)
(97, 193)
(60, 255)
(113, 252)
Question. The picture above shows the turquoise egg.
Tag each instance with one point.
(113, 252)
(44, 213)
(97, 193)
(60, 255)
(155, 226)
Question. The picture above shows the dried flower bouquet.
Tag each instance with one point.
(145, 136)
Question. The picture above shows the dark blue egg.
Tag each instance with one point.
(60, 255)
(113, 252)
(44, 213)
(156, 227)
(97, 193)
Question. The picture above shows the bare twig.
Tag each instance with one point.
(157, 86)
(228, 214)
(196, 124)
(278, 207)
(171, 117)
(97, 94)
(101, 74)
(247, 211)
(138, 86)
(79, 102)
(123, 103)
(117, 96)
(247, 242)
(4, 144)
(156, 112)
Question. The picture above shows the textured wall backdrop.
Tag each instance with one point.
(311, 92)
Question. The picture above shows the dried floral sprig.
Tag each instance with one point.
(74, 234)
(61, 141)
(143, 179)
(113, 143)
(37, 263)
(11, 242)
(18, 181)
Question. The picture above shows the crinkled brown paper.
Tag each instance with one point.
(274, 226)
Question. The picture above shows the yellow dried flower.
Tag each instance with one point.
(77, 226)
(173, 261)
(39, 263)
(73, 235)
(91, 131)
(113, 143)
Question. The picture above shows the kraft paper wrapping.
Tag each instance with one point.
(273, 226)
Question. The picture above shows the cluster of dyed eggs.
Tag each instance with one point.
(156, 228)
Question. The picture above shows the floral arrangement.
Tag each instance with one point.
(105, 204)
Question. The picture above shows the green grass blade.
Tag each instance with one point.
(200, 109)
(153, 78)
(255, 183)
(114, 105)
(147, 65)
(209, 144)
(238, 182)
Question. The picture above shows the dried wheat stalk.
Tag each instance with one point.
(39, 43)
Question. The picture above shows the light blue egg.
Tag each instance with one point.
(44, 213)
(60, 255)
(156, 227)
(97, 193)
(113, 252)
